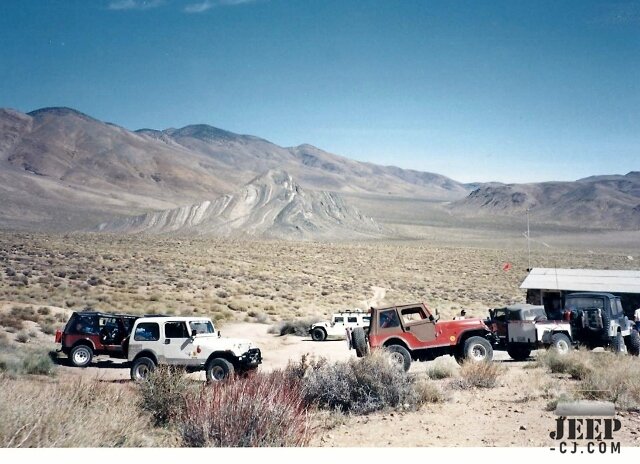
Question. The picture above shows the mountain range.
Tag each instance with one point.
(62, 170)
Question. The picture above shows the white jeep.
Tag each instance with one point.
(336, 328)
(191, 342)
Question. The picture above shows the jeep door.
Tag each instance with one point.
(417, 324)
(178, 344)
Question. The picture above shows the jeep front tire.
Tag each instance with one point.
(218, 369)
(477, 349)
(81, 355)
(318, 334)
(142, 368)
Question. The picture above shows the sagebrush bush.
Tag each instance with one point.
(429, 392)
(259, 410)
(164, 393)
(478, 375)
(38, 362)
(11, 321)
(442, 368)
(359, 386)
(612, 378)
(575, 363)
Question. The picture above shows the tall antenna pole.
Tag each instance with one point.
(528, 241)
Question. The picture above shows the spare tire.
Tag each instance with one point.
(359, 342)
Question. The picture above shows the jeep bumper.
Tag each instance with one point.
(251, 358)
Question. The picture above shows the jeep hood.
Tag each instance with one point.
(462, 324)
(216, 343)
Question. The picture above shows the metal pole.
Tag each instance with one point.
(528, 242)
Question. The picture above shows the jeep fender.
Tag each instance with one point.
(85, 342)
(459, 342)
(147, 354)
(228, 355)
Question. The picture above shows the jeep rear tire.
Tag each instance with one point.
(476, 349)
(561, 343)
(400, 356)
(633, 343)
(218, 369)
(141, 368)
(359, 342)
(519, 353)
(617, 344)
(318, 334)
(81, 356)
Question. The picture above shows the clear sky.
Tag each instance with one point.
(477, 90)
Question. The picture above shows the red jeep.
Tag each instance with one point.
(90, 333)
(412, 332)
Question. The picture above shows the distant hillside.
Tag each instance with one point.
(609, 202)
(62, 170)
(272, 205)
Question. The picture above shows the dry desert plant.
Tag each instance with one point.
(478, 375)
(259, 410)
(73, 414)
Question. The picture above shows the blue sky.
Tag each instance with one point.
(511, 90)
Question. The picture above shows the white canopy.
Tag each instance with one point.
(578, 280)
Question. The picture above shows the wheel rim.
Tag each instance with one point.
(142, 371)
(81, 357)
(397, 359)
(218, 373)
(478, 352)
(562, 346)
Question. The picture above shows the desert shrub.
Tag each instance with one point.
(575, 363)
(22, 337)
(11, 321)
(38, 362)
(299, 327)
(612, 378)
(360, 386)
(163, 394)
(25, 313)
(57, 414)
(442, 368)
(260, 410)
(48, 326)
(429, 392)
(478, 375)
(4, 340)
(44, 311)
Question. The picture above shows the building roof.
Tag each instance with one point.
(585, 280)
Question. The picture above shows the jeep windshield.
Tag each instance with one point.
(202, 327)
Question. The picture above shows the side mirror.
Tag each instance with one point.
(219, 335)
(194, 332)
